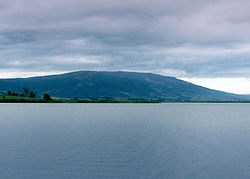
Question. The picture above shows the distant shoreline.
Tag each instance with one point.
(20, 99)
(23, 99)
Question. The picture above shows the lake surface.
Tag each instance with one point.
(125, 141)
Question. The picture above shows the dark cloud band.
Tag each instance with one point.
(198, 38)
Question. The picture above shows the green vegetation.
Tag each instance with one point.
(116, 101)
(28, 96)
(47, 97)
(19, 99)
(26, 93)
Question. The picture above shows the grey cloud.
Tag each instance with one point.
(198, 38)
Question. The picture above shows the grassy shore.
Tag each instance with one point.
(21, 99)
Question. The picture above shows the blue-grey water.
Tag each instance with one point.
(125, 141)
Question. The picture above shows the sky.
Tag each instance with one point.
(206, 42)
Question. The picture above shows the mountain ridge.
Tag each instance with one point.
(117, 85)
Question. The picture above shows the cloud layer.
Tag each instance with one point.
(183, 38)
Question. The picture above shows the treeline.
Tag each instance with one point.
(29, 96)
(26, 93)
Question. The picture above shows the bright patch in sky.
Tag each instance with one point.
(232, 85)
(20, 74)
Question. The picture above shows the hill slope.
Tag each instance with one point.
(122, 85)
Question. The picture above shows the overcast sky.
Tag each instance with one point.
(206, 42)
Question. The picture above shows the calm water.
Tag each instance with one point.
(125, 141)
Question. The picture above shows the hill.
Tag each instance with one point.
(117, 85)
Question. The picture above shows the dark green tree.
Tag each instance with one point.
(47, 97)
(26, 91)
(9, 93)
(32, 94)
